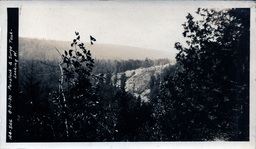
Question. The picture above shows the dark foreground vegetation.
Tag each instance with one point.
(204, 96)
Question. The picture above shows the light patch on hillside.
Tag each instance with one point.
(138, 80)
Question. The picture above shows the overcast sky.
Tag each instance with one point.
(153, 25)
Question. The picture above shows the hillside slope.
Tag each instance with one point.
(45, 50)
(138, 80)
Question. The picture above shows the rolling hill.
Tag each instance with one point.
(45, 50)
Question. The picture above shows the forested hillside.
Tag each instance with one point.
(42, 49)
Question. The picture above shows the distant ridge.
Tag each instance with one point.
(41, 49)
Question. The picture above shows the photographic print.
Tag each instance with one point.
(127, 72)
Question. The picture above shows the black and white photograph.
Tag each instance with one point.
(128, 71)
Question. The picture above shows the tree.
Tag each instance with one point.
(209, 90)
(32, 109)
(123, 82)
(76, 105)
(31, 84)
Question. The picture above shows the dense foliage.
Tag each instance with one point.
(207, 97)
(204, 96)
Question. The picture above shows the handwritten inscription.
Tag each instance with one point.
(10, 129)
(10, 122)
(9, 104)
(15, 69)
(12, 72)
(12, 62)
(10, 79)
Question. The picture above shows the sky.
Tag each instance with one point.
(151, 25)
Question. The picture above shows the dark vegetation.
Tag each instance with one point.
(204, 96)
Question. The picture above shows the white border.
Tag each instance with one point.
(127, 145)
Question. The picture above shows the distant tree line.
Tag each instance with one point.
(204, 96)
(117, 66)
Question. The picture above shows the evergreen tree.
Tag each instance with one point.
(32, 112)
